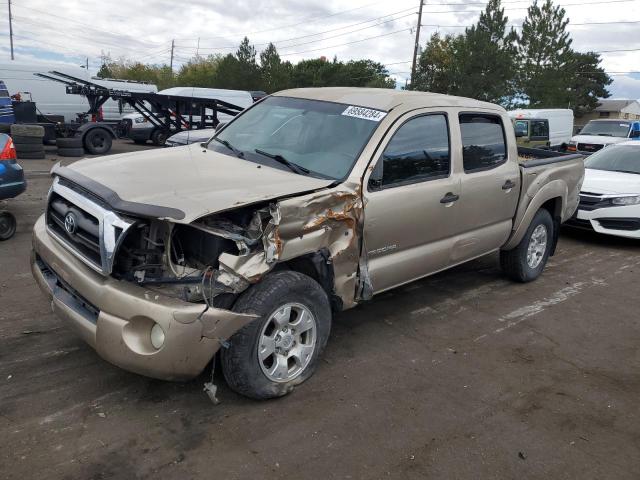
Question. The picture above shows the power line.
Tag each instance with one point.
(520, 26)
(348, 43)
(275, 42)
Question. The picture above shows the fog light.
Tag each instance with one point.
(157, 336)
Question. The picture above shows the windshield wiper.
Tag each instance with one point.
(605, 135)
(294, 167)
(627, 171)
(229, 146)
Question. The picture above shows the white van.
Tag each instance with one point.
(557, 133)
(141, 129)
(51, 97)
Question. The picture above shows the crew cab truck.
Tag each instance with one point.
(309, 202)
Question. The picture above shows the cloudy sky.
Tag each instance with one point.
(382, 30)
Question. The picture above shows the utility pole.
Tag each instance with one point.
(172, 46)
(417, 45)
(10, 31)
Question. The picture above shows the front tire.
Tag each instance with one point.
(271, 355)
(7, 226)
(97, 141)
(526, 262)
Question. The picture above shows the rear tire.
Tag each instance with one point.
(27, 130)
(26, 140)
(71, 152)
(158, 137)
(28, 147)
(7, 226)
(30, 155)
(291, 332)
(526, 262)
(69, 142)
(97, 141)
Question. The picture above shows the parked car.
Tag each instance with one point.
(12, 184)
(142, 130)
(187, 137)
(598, 134)
(550, 128)
(610, 196)
(309, 202)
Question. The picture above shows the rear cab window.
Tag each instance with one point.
(484, 144)
(418, 151)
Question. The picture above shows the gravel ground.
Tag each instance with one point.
(462, 375)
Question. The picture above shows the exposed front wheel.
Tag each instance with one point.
(270, 356)
(158, 137)
(526, 262)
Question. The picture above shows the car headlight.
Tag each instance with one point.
(140, 120)
(634, 200)
(157, 336)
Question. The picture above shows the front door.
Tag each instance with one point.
(411, 201)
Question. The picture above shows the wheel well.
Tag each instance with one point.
(89, 130)
(318, 266)
(554, 207)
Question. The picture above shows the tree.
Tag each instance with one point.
(587, 82)
(275, 74)
(199, 72)
(436, 71)
(544, 49)
(485, 58)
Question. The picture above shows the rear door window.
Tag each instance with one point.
(483, 141)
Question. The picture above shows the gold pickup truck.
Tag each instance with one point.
(309, 202)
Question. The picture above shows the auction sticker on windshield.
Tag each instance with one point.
(364, 113)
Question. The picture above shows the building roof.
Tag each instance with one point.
(613, 105)
(385, 98)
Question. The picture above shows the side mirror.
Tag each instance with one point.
(220, 125)
(519, 133)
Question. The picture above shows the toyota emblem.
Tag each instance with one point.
(70, 223)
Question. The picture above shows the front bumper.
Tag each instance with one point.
(115, 317)
(623, 221)
(140, 133)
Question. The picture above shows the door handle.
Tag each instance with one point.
(449, 198)
(508, 185)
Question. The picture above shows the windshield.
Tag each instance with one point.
(607, 129)
(288, 133)
(616, 158)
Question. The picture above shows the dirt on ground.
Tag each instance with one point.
(463, 375)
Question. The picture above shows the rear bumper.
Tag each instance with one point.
(621, 221)
(12, 182)
(116, 317)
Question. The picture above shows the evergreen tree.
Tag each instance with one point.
(435, 71)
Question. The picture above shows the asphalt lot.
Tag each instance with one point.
(463, 375)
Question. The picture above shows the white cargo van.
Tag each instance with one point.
(141, 129)
(551, 127)
(51, 97)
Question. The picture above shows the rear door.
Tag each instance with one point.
(490, 185)
(410, 199)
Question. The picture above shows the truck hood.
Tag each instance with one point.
(192, 179)
(598, 139)
(606, 182)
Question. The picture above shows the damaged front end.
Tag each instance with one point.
(215, 258)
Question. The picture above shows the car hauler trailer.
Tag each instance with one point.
(168, 113)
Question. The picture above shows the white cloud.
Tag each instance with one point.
(144, 30)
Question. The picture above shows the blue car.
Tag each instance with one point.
(7, 116)
(12, 184)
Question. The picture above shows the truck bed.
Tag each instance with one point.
(533, 157)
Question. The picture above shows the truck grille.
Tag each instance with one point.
(589, 147)
(85, 225)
